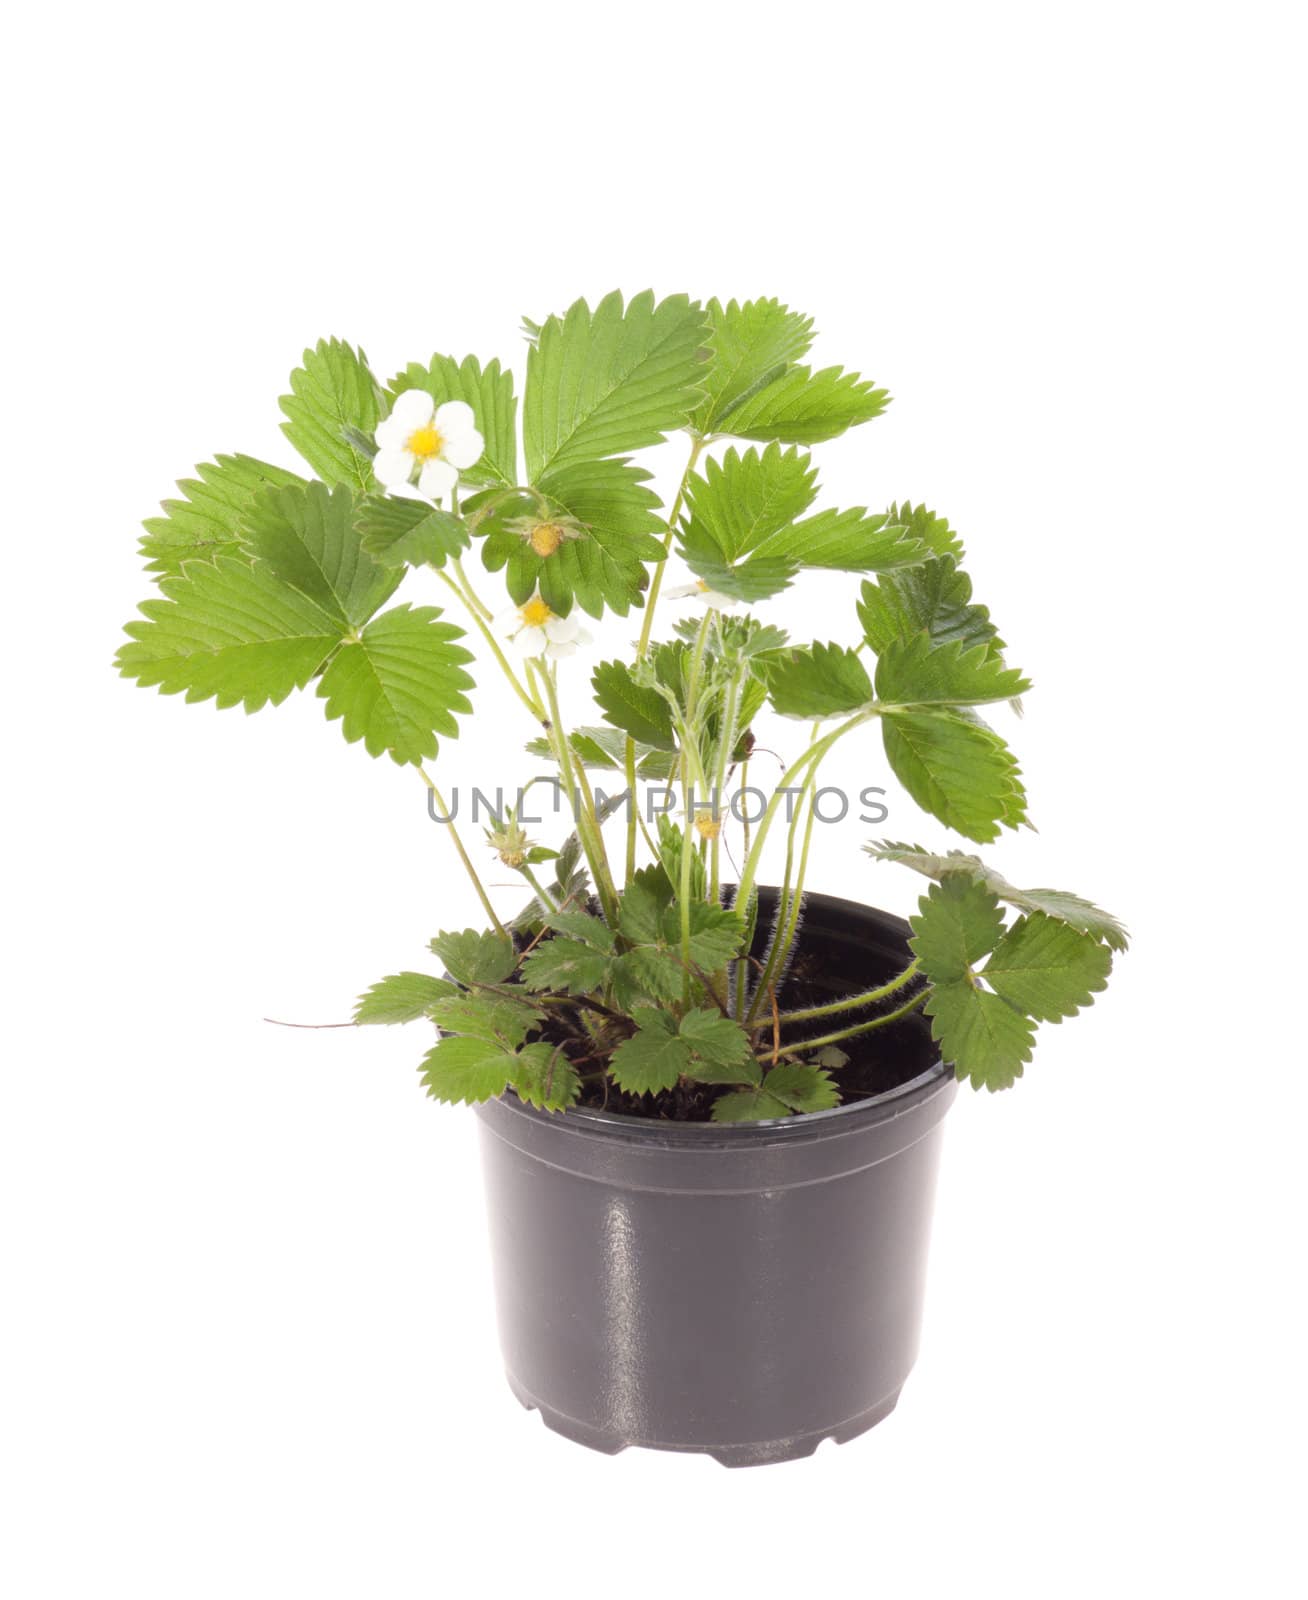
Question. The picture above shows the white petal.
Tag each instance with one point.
(462, 448)
(392, 434)
(437, 478)
(584, 636)
(508, 622)
(718, 602)
(562, 629)
(392, 467)
(684, 592)
(412, 409)
(531, 641)
(455, 417)
(563, 650)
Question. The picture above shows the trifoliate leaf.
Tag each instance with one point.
(306, 536)
(633, 707)
(982, 1036)
(403, 997)
(751, 346)
(486, 1016)
(565, 965)
(934, 599)
(654, 1058)
(822, 680)
(805, 407)
(611, 380)
(581, 926)
(801, 1086)
(957, 769)
(917, 672)
(476, 956)
(740, 501)
(715, 933)
(748, 1105)
(957, 922)
(543, 1076)
(396, 531)
(1069, 908)
(646, 973)
(1047, 969)
(465, 1071)
(231, 632)
(333, 391)
(207, 523)
(489, 391)
(399, 684)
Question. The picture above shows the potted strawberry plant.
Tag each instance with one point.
(711, 1106)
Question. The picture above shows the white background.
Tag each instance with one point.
(248, 1346)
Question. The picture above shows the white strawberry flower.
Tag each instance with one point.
(536, 630)
(435, 442)
(700, 591)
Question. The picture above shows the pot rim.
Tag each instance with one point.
(591, 1121)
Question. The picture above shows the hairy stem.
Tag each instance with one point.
(897, 1015)
(855, 1002)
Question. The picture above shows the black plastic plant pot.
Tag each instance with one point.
(744, 1290)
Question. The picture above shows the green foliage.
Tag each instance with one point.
(918, 672)
(399, 684)
(751, 345)
(228, 630)
(610, 380)
(465, 1071)
(489, 391)
(475, 958)
(543, 1076)
(985, 1038)
(703, 1046)
(633, 708)
(403, 997)
(306, 536)
(933, 599)
(804, 407)
(1047, 969)
(492, 1018)
(208, 521)
(957, 769)
(565, 965)
(787, 1088)
(1069, 908)
(397, 532)
(958, 923)
(333, 394)
(821, 680)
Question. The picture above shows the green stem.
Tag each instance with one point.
(463, 854)
(897, 1015)
(583, 804)
(855, 1002)
(474, 609)
(541, 894)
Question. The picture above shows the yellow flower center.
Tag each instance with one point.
(424, 443)
(535, 614)
(701, 586)
(707, 826)
(545, 538)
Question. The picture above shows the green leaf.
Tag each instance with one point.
(805, 407)
(957, 769)
(476, 956)
(644, 900)
(489, 1017)
(466, 1071)
(403, 997)
(543, 1076)
(752, 345)
(230, 632)
(305, 535)
(207, 523)
(646, 973)
(748, 1105)
(845, 541)
(740, 501)
(1047, 969)
(923, 523)
(396, 531)
(715, 933)
(603, 382)
(489, 391)
(822, 680)
(606, 749)
(397, 686)
(566, 965)
(720, 1047)
(633, 707)
(983, 1037)
(333, 391)
(934, 599)
(1069, 908)
(610, 517)
(654, 1058)
(916, 672)
(802, 1086)
(581, 926)
(958, 921)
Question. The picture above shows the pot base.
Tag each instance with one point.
(766, 1453)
